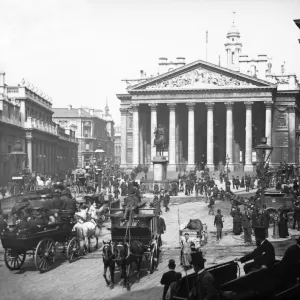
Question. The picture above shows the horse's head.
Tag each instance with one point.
(108, 249)
(122, 251)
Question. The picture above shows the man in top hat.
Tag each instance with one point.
(204, 288)
(288, 269)
(166, 201)
(263, 255)
(168, 277)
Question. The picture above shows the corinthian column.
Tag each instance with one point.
(153, 107)
(268, 125)
(210, 136)
(172, 137)
(292, 134)
(29, 152)
(135, 134)
(123, 137)
(229, 134)
(191, 135)
(248, 138)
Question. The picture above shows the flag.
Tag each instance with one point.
(206, 36)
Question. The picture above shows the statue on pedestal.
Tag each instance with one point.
(159, 141)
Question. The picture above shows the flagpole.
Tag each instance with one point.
(206, 42)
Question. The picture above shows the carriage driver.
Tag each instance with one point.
(131, 203)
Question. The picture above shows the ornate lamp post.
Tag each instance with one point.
(99, 152)
(263, 152)
(227, 163)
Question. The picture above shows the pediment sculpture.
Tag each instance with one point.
(199, 77)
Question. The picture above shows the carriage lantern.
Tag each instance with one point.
(18, 156)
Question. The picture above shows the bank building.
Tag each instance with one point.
(211, 112)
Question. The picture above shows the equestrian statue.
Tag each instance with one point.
(159, 141)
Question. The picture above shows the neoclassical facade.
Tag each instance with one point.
(210, 112)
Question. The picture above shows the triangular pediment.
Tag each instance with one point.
(199, 75)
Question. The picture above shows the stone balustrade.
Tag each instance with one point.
(33, 123)
(24, 92)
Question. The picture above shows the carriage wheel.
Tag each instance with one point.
(14, 261)
(45, 254)
(73, 250)
(153, 259)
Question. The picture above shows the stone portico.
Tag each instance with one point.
(209, 112)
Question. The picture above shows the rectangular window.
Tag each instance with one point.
(87, 146)
(232, 57)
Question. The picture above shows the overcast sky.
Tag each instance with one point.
(77, 51)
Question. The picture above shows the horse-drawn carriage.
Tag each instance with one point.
(259, 284)
(133, 240)
(41, 242)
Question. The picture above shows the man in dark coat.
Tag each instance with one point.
(246, 217)
(131, 204)
(205, 288)
(237, 182)
(288, 269)
(296, 215)
(168, 277)
(166, 201)
(69, 204)
(23, 223)
(3, 222)
(237, 221)
(263, 255)
(57, 203)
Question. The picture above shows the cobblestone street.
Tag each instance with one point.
(83, 279)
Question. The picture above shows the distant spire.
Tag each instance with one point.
(233, 15)
(106, 107)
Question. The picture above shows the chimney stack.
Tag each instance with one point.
(69, 107)
(162, 65)
(79, 111)
(142, 73)
(91, 112)
(180, 61)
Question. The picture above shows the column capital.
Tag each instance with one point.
(268, 104)
(172, 106)
(228, 104)
(134, 107)
(210, 105)
(153, 106)
(191, 105)
(248, 104)
(123, 111)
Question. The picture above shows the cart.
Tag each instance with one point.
(41, 242)
(142, 227)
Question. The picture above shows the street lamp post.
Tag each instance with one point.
(227, 163)
(99, 152)
(263, 152)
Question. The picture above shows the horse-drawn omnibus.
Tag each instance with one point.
(135, 239)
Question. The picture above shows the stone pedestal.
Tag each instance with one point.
(159, 168)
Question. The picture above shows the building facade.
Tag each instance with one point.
(91, 127)
(26, 115)
(118, 145)
(210, 112)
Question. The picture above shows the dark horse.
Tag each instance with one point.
(159, 141)
(109, 262)
(126, 255)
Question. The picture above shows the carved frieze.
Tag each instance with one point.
(281, 121)
(198, 78)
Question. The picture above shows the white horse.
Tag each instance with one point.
(86, 229)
